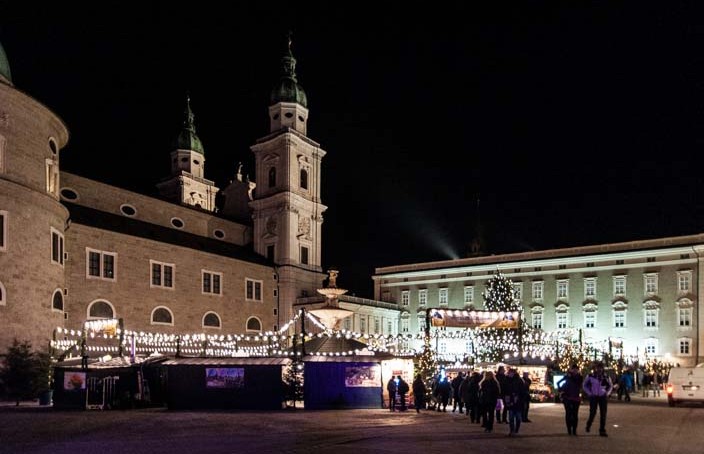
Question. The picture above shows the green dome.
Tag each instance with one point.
(4, 67)
(288, 89)
(187, 138)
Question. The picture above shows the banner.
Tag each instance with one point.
(474, 319)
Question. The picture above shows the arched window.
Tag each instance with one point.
(3, 295)
(211, 320)
(57, 301)
(100, 309)
(272, 177)
(162, 316)
(304, 179)
(254, 324)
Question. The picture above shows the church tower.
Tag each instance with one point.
(287, 210)
(187, 184)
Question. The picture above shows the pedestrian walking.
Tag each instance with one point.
(402, 389)
(514, 399)
(598, 386)
(392, 388)
(419, 391)
(570, 389)
(526, 405)
(489, 392)
(456, 398)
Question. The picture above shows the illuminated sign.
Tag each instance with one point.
(474, 319)
(102, 326)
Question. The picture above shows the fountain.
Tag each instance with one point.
(330, 315)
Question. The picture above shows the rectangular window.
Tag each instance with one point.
(442, 297)
(254, 290)
(685, 346)
(162, 274)
(684, 317)
(3, 230)
(619, 285)
(363, 324)
(518, 291)
(421, 323)
(211, 282)
(100, 264)
(347, 323)
(537, 320)
(590, 288)
(651, 318)
(377, 325)
(52, 177)
(389, 327)
(405, 325)
(651, 346)
(590, 319)
(651, 283)
(422, 297)
(561, 320)
(270, 249)
(619, 319)
(468, 294)
(405, 297)
(304, 255)
(538, 290)
(562, 289)
(683, 280)
(57, 247)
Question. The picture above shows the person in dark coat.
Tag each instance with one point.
(392, 388)
(526, 405)
(489, 392)
(514, 400)
(471, 397)
(443, 390)
(501, 414)
(570, 389)
(419, 391)
(456, 398)
(402, 389)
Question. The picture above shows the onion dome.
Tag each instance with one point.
(187, 138)
(288, 89)
(5, 75)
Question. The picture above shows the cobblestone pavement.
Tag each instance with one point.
(643, 426)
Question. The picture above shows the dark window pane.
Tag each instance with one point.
(168, 276)
(257, 291)
(216, 284)
(101, 309)
(211, 320)
(58, 301)
(162, 315)
(93, 264)
(156, 274)
(254, 325)
(206, 282)
(108, 266)
(250, 290)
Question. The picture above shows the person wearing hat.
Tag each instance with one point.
(598, 386)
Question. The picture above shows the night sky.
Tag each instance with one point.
(573, 123)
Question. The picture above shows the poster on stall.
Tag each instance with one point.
(224, 377)
(74, 381)
(363, 376)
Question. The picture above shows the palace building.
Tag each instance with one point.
(643, 295)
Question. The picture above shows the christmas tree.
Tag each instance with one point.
(492, 344)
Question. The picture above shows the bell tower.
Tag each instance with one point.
(187, 184)
(287, 210)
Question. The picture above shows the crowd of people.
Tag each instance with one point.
(503, 396)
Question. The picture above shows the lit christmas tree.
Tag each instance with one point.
(492, 344)
(427, 366)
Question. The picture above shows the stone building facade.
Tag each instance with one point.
(646, 294)
(74, 249)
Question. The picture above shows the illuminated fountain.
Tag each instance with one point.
(331, 314)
